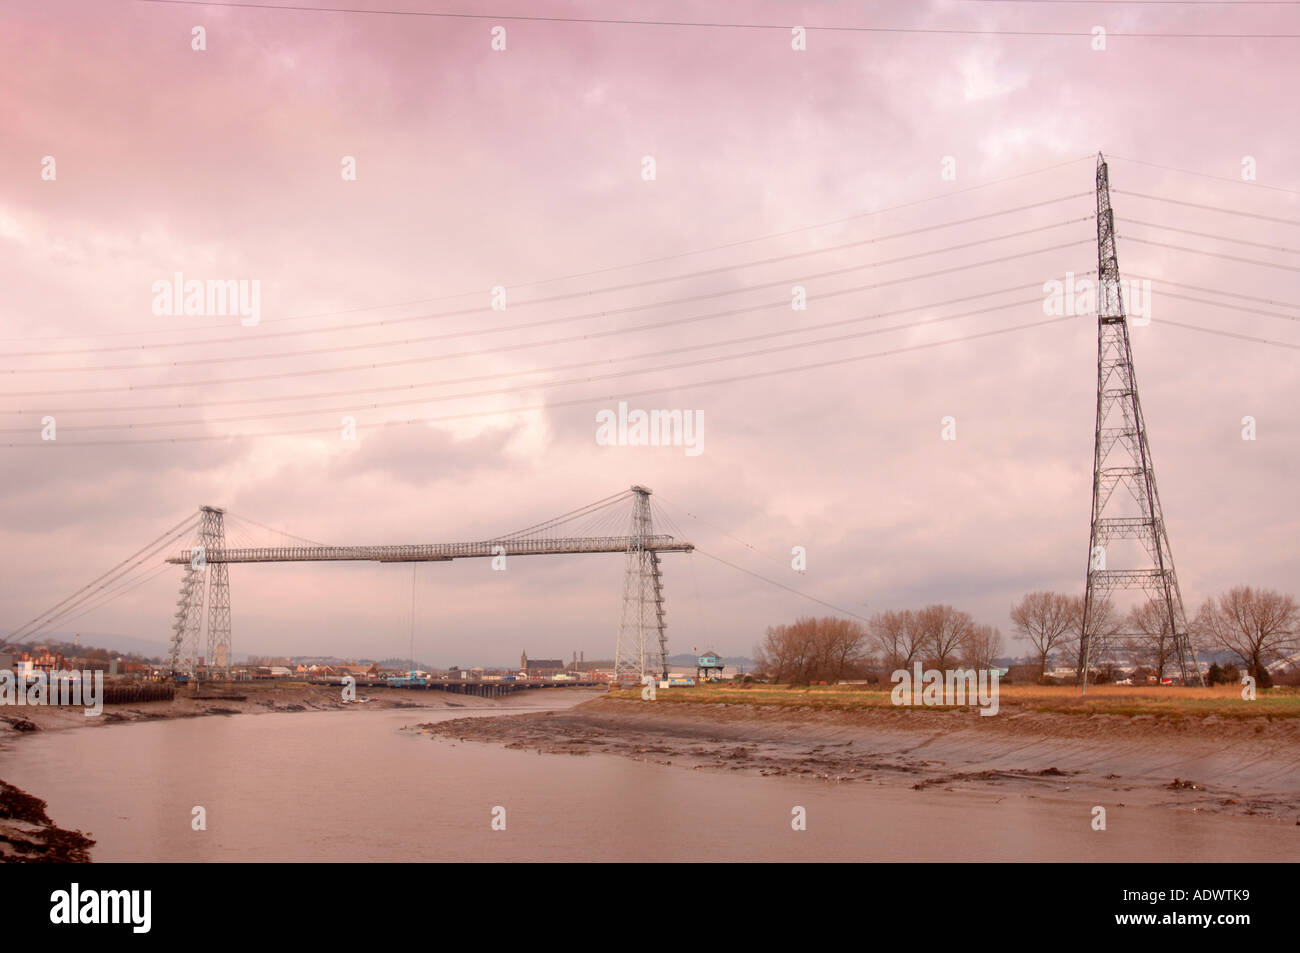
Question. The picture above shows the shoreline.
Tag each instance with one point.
(1238, 768)
(29, 835)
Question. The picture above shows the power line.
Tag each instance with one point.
(427, 339)
(544, 385)
(383, 365)
(465, 380)
(1228, 294)
(1234, 307)
(1211, 254)
(1209, 208)
(703, 24)
(1206, 175)
(1232, 334)
(624, 395)
(1219, 237)
(258, 338)
(597, 271)
(384, 425)
(1116, 3)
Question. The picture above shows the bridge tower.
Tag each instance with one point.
(1122, 457)
(643, 602)
(203, 578)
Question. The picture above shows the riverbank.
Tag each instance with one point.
(1210, 764)
(28, 834)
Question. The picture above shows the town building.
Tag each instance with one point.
(540, 666)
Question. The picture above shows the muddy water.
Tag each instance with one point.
(360, 785)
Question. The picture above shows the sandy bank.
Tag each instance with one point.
(257, 699)
(1213, 765)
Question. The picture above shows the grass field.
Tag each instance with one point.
(1223, 701)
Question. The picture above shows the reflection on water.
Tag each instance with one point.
(352, 785)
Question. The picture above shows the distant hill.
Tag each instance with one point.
(118, 644)
(404, 664)
(112, 645)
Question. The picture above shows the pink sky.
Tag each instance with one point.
(479, 168)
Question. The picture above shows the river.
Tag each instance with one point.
(355, 786)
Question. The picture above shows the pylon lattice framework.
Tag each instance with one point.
(203, 579)
(643, 602)
(1122, 457)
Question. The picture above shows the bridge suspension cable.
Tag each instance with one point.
(105, 581)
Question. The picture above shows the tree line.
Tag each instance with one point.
(831, 649)
(1258, 627)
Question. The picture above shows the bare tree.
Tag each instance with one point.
(945, 632)
(1105, 626)
(983, 646)
(897, 636)
(1150, 640)
(1045, 620)
(846, 648)
(811, 650)
(1259, 626)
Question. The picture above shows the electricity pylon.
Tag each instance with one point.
(1122, 457)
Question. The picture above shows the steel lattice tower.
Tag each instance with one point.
(212, 579)
(643, 599)
(1122, 456)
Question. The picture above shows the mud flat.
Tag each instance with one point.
(1208, 765)
(237, 700)
(28, 835)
